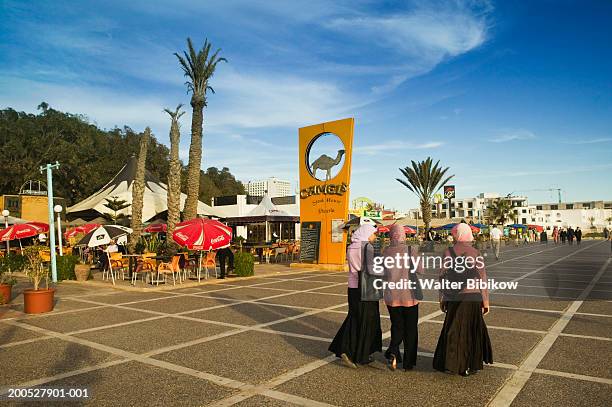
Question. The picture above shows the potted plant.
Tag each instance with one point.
(38, 300)
(6, 281)
(82, 271)
(8, 265)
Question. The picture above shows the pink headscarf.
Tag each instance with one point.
(397, 235)
(462, 233)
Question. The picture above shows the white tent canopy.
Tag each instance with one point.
(267, 208)
(120, 187)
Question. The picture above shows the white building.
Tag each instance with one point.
(241, 205)
(475, 209)
(273, 186)
(586, 215)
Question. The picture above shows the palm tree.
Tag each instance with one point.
(138, 191)
(174, 173)
(115, 205)
(424, 179)
(198, 68)
(592, 221)
(500, 211)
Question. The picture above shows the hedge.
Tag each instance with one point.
(244, 264)
(65, 267)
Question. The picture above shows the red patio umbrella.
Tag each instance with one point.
(156, 228)
(22, 231)
(383, 229)
(84, 229)
(409, 230)
(536, 227)
(44, 227)
(202, 234)
(474, 229)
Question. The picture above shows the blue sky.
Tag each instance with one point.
(513, 96)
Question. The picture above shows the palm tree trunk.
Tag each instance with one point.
(174, 180)
(195, 162)
(426, 211)
(138, 191)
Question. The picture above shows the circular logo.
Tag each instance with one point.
(325, 156)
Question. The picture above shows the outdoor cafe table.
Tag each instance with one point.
(158, 260)
(259, 248)
(132, 261)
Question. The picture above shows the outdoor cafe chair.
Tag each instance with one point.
(170, 268)
(279, 251)
(108, 270)
(209, 262)
(143, 268)
(119, 264)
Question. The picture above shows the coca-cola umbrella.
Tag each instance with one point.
(86, 228)
(156, 228)
(22, 231)
(202, 234)
(44, 227)
(383, 229)
(409, 230)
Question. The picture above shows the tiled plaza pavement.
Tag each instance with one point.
(263, 341)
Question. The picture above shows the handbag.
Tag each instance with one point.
(366, 281)
(418, 291)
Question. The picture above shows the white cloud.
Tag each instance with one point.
(512, 135)
(418, 40)
(255, 100)
(393, 146)
(590, 141)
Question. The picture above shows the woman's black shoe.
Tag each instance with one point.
(392, 363)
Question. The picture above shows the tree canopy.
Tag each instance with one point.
(89, 156)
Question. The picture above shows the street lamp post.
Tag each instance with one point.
(49, 168)
(6, 214)
(58, 209)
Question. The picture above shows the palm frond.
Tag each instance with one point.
(198, 67)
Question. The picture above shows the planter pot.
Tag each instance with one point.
(37, 302)
(81, 271)
(5, 293)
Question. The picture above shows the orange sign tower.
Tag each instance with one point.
(325, 171)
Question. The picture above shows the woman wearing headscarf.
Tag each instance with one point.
(464, 342)
(360, 334)
(403, 304)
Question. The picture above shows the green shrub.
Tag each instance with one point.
(12, 263)
(244, 264)
(65, 267)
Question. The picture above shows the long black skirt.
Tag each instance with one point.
(464, 341)
(360, 334)
(404, 328)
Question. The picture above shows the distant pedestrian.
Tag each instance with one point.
(224, 255)
(555, 235)
(570, 235)
(578, 234)
(543, 237)
(563, 236)
(606, 233)
(360, 334)
(495, 236)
